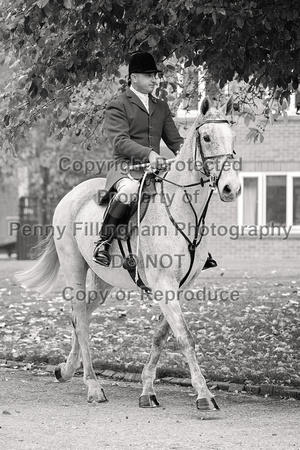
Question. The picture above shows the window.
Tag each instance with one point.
(296, 201)
(270, 199)
(250, 193)
(276, 200)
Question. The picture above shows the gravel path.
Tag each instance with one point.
(38, 413)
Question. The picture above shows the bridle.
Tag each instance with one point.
(204, 158)
(213, 179)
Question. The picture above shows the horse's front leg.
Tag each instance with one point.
(148, 397)
(173, 314)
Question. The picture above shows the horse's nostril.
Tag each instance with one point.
(227, 189)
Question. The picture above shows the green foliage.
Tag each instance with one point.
(65, 55)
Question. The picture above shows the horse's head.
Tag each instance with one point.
(215, 145)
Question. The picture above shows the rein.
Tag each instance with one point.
(192, 245)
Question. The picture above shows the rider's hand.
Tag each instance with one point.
(157, 161)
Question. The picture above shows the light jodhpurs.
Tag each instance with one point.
(127, 190)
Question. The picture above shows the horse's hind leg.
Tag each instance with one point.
(81, 312)
(148, 397)
(75, 275)
(65, 371)
(82, 319)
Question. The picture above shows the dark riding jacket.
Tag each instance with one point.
(133, 132)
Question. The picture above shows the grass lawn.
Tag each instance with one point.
(256, 337)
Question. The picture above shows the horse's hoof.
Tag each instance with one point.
(148, 401)
(204, 404)
(97, 398)
(58, 374)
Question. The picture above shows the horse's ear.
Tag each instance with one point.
(205, 105)
(227, 108)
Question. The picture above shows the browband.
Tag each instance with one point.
(212, 121)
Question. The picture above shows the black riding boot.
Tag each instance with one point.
(210, 262)
(114, 214)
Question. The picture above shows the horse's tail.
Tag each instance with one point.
(42, 276)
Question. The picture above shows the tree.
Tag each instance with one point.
(53, 168)
(66, 54)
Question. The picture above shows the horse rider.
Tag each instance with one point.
(135, 123)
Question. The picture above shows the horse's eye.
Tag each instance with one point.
(206, 138)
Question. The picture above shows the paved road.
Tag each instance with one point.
(38, 413)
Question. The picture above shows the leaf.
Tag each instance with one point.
(104, 39)
(240, 22)
(42, 3)
(247, 119)
(271, 118)
(221, 11)
(152, 41)
(68, 4)
(285, 117)
(64, 113)
(214, 16)
(252, 134)
(284, 104)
